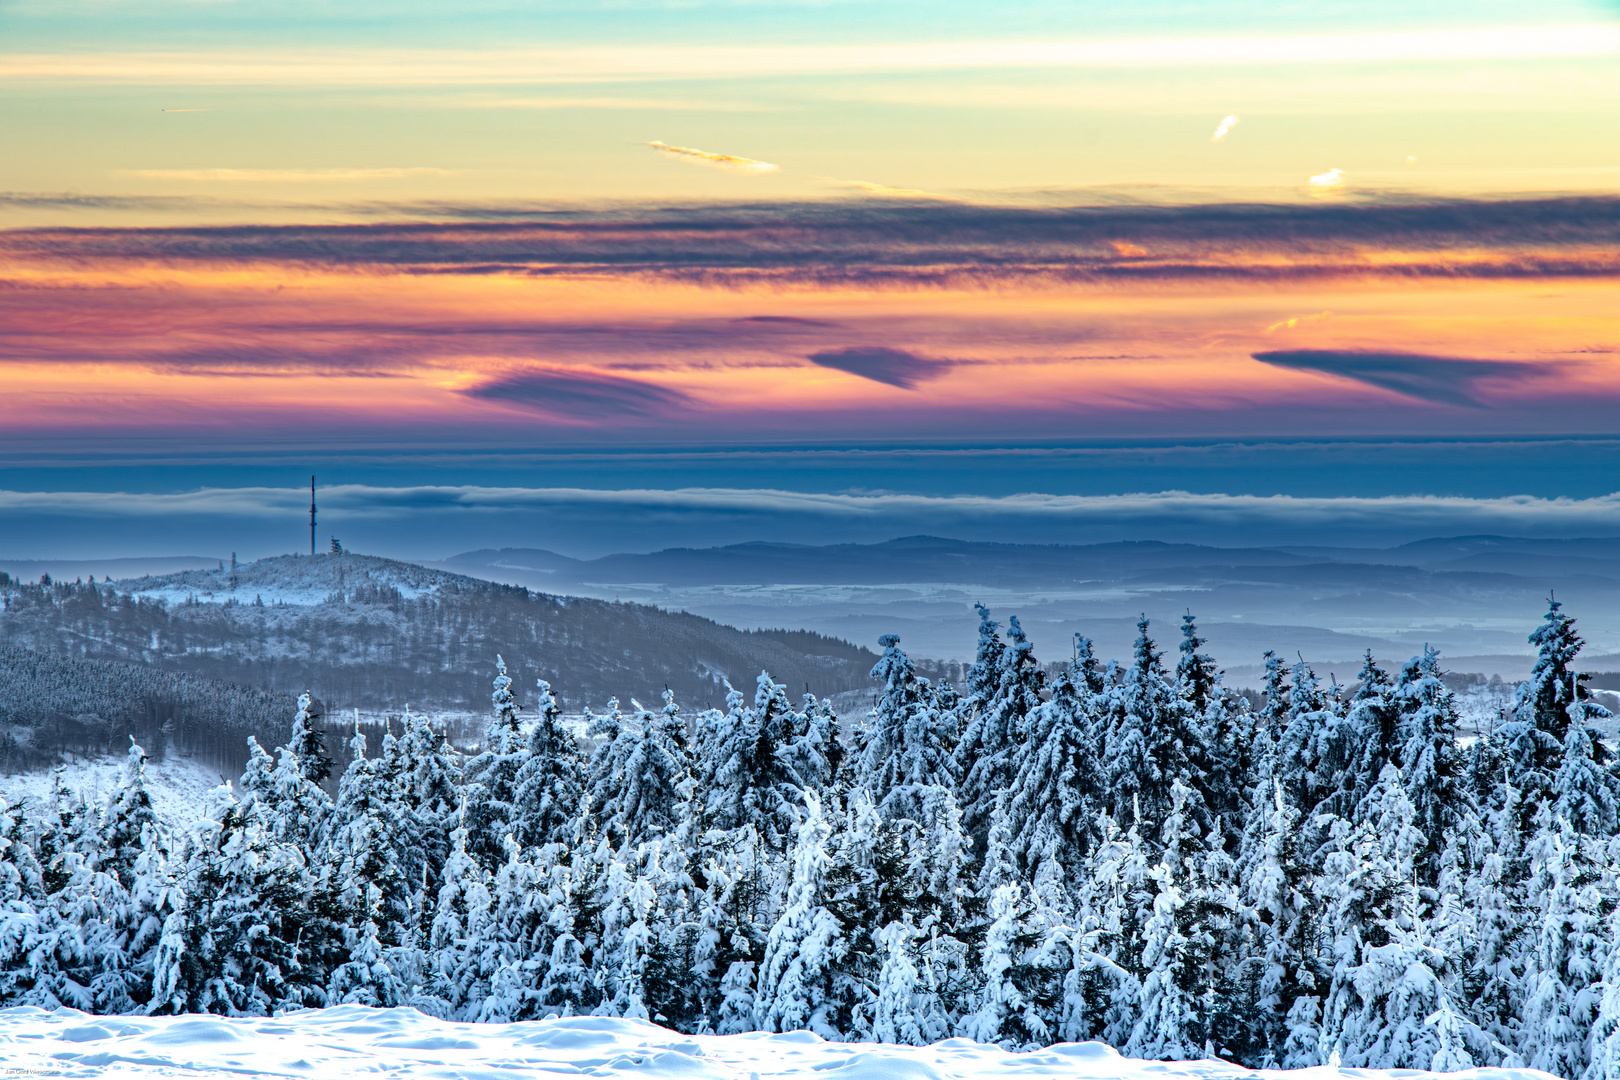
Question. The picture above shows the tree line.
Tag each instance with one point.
(1123, 851)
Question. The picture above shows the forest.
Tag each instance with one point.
(1124, 851)
(75, 705)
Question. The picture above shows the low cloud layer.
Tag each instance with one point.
(421, 520)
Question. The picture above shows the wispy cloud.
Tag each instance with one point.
(1224, 128)
(581, 396)
(1445, 380)
(893, 367)
(884, 191)
(637, 104)
(283, 176)
(782, 320)
(394, 67)
(917, 245)
(730, 162)
(1294, 321)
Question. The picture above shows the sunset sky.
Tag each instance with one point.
(597, 276)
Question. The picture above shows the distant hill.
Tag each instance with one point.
(1476, 596)
(908, 559)
(379, 634)
(937, 559)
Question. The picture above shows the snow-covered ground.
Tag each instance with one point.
(294, 580)
(179, 786)
(1483, 709)
(352, 1041)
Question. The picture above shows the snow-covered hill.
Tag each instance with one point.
(298, 580)
(376, 634)
(352, 1040)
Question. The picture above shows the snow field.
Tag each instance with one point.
(178, 786)
(355, 1040)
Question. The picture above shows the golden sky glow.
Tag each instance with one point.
(213, 342)
(1053, 220)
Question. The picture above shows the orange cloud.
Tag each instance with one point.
(719, 161)
(920, 324)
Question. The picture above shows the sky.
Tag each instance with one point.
(620, 276)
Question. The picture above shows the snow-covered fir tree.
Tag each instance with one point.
(750, 779)
(1155, 743)
(906, 756)
(1116, 852)
(548, 782)
(801, 984)
(492, 775)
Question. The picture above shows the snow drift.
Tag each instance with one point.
(351, 1040)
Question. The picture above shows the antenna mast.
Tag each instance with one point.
(312, 515)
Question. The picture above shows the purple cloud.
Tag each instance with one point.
(580, 395)
(894, 367)
(1444, 380)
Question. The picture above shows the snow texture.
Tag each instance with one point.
(179, 786)
(353, 1040)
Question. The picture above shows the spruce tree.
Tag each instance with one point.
(1155, 744)
(907, 753)
(1308, 728)
(22, 891)
(549, 783)
(1055, 800)
(1370, 737)
(818, 754)
(239, 946)
(1197, 677)
(733, 912)
(130, 824)
(1604, 1056)
(986, 757)
(799, 975)
(297, 808)
(1405, 1016)
(463, 931)
(1567, 947)
(1004, 1011)
(1430, 761)
(492, 776)
(1534, 738)
(645, 796)
(429, 783)
(753, 781)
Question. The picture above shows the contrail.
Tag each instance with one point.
(1225, 126)
(719, 161)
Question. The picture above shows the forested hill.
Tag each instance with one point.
(374, 633)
